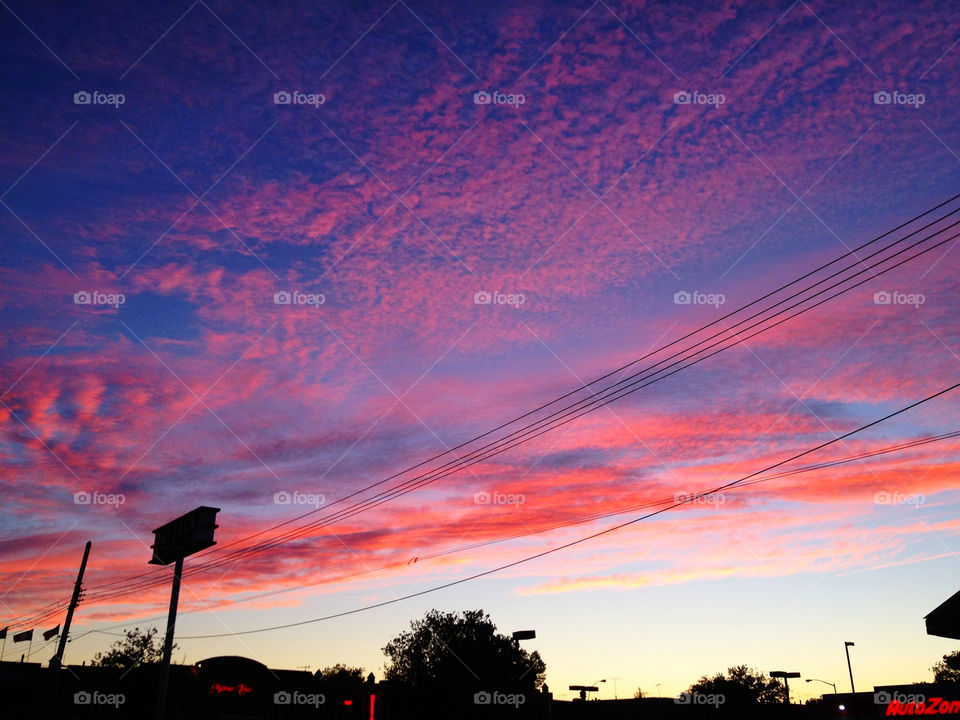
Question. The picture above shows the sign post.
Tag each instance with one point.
(184, 536)
(786, 684)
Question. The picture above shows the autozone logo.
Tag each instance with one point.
(933, 706)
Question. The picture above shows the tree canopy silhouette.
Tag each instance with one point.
(459, 651)
(741, 686)
(948, 669)
(137, 648)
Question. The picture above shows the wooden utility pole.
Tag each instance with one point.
(57, 659)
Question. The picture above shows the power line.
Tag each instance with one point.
(586, 405)
(591, 536)
(609, 394)
(570, 523)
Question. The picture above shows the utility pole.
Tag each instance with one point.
(57, 659)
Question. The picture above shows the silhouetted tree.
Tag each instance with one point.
(137, 648)
(948, 669)
(341, 681)
(638, 695)
(342, 673)
(460, 651)
(741, 686)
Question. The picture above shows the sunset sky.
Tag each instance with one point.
(585, 167)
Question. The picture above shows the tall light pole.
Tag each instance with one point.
(846, 648)
(615, 686)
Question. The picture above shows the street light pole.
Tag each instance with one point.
(825, 682)
(846, 648)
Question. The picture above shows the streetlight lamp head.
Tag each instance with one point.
(848, 644)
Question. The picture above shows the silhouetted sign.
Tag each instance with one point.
(524, 634)
(784, 674)
(184, 536)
